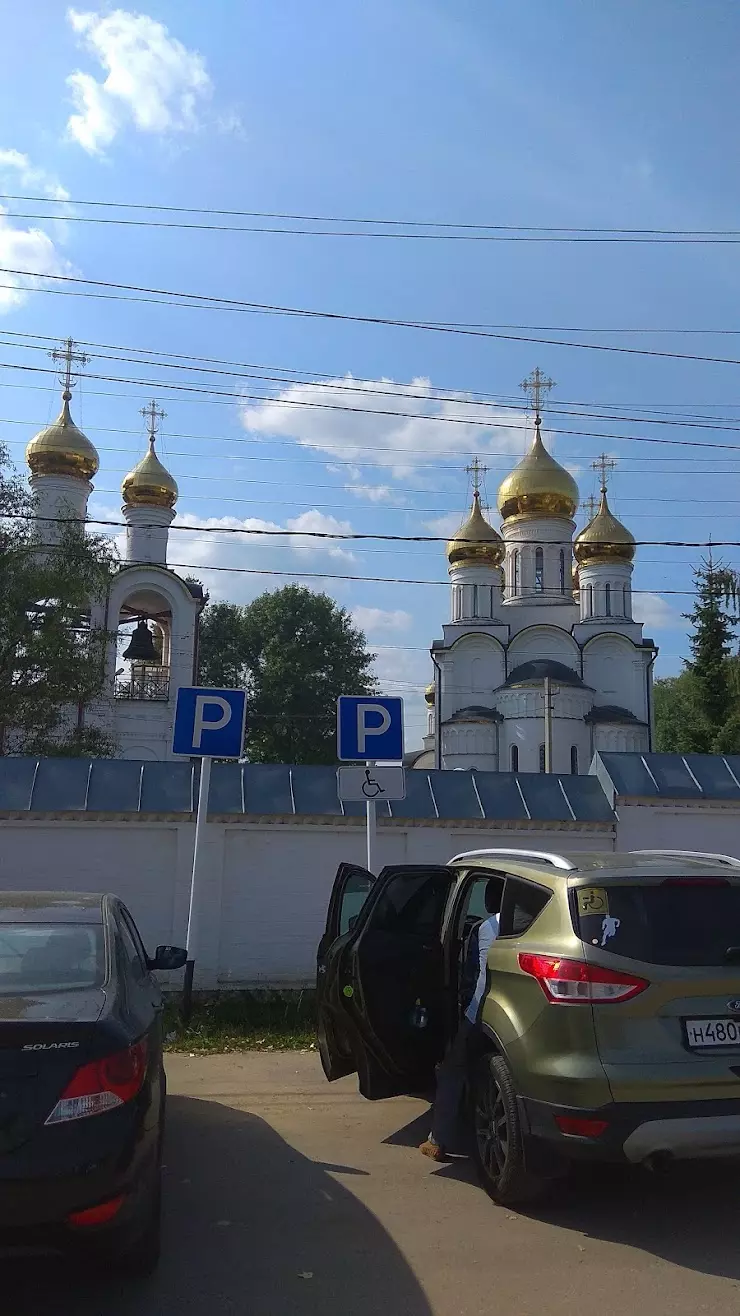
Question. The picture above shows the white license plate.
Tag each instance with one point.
(704, 1033)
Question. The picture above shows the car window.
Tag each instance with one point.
(132, 950)
(522, 902)
(354, 895)
(680, 922)
(50, 957)
(412, 903)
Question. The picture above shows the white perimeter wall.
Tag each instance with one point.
(263, 905)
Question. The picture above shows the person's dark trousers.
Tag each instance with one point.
(451, 1075)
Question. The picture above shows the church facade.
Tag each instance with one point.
(150, 614)
(542, 663)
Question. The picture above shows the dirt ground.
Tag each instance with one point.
(287, 1195)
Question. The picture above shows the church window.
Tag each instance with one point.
(542, 758)
(562, 571)
(517, 572)
(608, 600)
(457, 600)
(589, 600)
(626, 599)
(574, 760)
(475, 601)
(515, 758)
(539, 571)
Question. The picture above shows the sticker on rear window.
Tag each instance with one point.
(593, 900)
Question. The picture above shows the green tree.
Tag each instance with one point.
(699, 711)
(51, 660)
(294, 651)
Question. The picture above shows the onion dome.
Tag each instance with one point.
(538, 486)
(62, 448)
(429, 695)
(149, 484)
(605, 539)
(476, 542)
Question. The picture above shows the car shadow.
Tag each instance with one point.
(249, 1225)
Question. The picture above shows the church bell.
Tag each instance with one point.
(141, 649)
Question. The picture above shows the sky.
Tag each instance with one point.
(461, 112)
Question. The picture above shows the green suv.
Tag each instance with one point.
(610, 1028)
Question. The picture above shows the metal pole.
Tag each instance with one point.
(371, 826)
(191, 942)
(548, 726)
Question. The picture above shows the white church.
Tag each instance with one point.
(151, 614)
(541, 664)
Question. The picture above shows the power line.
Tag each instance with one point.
(212, 301)
(498, 232)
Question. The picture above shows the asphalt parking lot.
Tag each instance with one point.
(287, 1195)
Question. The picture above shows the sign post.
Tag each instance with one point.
(370, 727)
(208, 724)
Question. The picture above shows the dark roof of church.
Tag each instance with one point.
(539, 668)
(612, 713)
(474, 713)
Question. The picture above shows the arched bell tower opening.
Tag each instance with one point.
(144, 647)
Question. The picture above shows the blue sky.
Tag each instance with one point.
(529, 113)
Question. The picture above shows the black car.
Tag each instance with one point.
(82, 1088)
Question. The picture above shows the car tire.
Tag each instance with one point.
(498, 1140)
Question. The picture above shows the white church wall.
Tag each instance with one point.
(615, 669)
(473, 667)
(543, 642)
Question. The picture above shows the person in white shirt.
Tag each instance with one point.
(452, 1072)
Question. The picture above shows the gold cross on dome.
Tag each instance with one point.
(535, 385)
(68, 358)
(153, 415)
(476, 471)
(604, 465)
(590, 507)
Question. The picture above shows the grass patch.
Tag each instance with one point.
(243, 1021)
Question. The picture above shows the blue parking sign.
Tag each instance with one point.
(370, 727)
(209, 723)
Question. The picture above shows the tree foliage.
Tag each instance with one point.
(294, 652)
(51, 661)
(699, 711)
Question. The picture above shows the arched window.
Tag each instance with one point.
(626, 600)
(475, 601)
(542, 758)
(457, 603)
(607, 600)
(562, 571)
(515, 758)
(539, 571)
(574, 760)
(517, 572)
(589, 600)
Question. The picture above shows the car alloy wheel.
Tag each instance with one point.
(491, 1128)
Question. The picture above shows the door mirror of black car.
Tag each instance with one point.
(168, 957)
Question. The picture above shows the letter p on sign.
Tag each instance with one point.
(370, 727)
(209, 723)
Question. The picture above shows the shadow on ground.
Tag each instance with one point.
(250, 1226)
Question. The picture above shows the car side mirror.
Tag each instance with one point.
(168, 957)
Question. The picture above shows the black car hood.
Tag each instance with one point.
(83, 1006)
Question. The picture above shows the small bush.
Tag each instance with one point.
(262, 1020)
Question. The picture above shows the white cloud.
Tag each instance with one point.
(447, 525)
(375, 493)
(373, 620)
(653, 611)
(35, 249)
(316, 416)
(152, 80)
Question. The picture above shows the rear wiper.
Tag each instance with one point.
(732, 955)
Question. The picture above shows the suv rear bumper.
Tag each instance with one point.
(635, 1133)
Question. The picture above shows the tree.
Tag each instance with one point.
(294, 651)
(699, 711)
(51, 661)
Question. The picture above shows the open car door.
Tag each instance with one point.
(382, 1007)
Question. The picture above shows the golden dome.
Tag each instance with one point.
(430, 694)
(149, 484)
(62, 449)
(476, 542)
(538, 486)
(605, 539)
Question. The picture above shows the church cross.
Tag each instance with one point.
(476, 471)
(604, 465)
(68, 358)
(590, 507)
(535, 385)
(153, 415)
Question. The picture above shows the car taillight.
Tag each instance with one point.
(102, 1085)
(574, 982)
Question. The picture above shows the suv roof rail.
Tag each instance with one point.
(545, 857)
(693, 854)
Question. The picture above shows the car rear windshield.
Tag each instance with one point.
(54, 957)
(676, 921)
